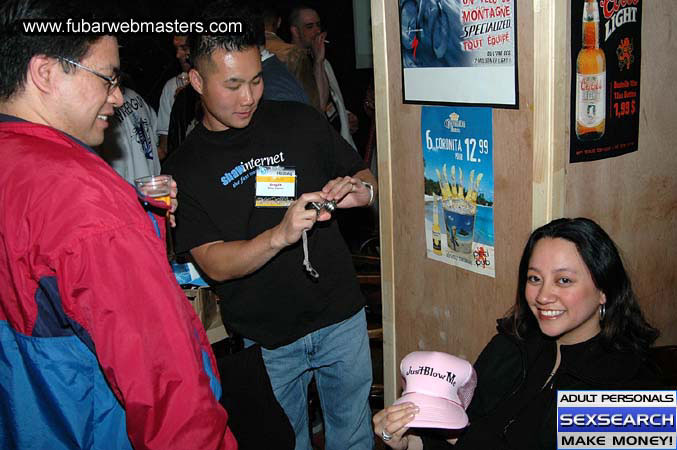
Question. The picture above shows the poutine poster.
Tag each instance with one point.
(459, 186)
(459, 52)
(605, 60)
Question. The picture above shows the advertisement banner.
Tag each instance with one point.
(459, 186)
(616, 420)
(459, 52)
(605, 61)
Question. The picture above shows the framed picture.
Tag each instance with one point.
(606, 54)
(459, 52)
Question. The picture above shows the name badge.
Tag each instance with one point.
(275, 186)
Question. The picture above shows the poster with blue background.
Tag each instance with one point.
(459, 52)
(459, 186)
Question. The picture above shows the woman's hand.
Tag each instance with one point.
(392, 422)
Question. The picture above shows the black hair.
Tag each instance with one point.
(624, 326)
(250, 34)
(17, 47)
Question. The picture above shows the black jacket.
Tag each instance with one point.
(513, 406)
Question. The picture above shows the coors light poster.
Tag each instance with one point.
(605, 61)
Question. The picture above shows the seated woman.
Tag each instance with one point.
(576, 324)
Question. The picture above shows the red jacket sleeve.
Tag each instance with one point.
(119, 286)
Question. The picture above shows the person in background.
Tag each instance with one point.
(100, 348)
(253, 256)
(130, 141)
(297, 60)
(172, 87)
(576, 325)
(307, 34)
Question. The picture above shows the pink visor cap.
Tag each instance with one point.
(441, 385)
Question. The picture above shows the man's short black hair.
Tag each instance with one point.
(17, 48)
(250, 34)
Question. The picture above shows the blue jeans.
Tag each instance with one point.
(339, 358)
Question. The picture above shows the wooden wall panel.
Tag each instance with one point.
(429, 305)
(382, 30)
(549, 125)
(432, 306)
(634, 197)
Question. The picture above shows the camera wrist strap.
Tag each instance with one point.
(306, 261)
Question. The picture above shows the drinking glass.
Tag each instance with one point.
(157, 187)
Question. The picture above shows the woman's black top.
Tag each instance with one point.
(515, 403)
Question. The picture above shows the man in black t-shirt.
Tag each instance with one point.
(245, 158)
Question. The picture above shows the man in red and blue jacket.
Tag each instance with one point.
(99, 348)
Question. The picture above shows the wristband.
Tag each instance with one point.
(371, 193)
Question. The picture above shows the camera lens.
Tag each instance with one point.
(329, 206)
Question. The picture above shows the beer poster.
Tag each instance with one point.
(605, 60)
(459, 52)
(459, 186)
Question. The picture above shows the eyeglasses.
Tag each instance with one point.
(113, 81)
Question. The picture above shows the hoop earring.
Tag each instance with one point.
(602, 311)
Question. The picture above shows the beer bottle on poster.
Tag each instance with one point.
(437, 237)
(590, 78)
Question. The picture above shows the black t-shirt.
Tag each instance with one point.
(216, 172)
(185, 110)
